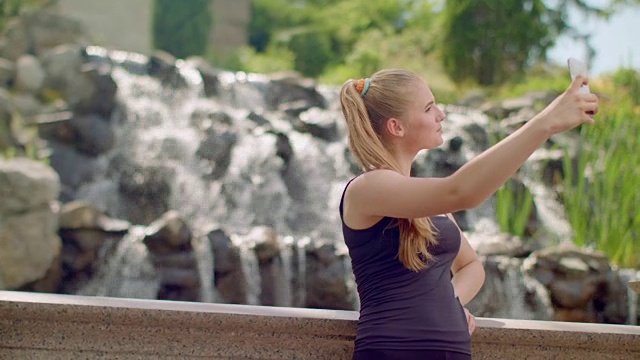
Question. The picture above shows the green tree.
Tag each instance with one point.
(182, 28)
(312, 52)
(267, 18)
(325, 34)
(489, 41)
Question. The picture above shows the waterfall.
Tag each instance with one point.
(127, 272)
(206, 265)
(551, 213)
(250, 269)
(510, 293)
(301, 273)
(285, 295)
(277, 174)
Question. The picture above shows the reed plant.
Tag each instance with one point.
(514, 207)
(601, 182)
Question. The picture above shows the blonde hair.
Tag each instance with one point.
(388, 96)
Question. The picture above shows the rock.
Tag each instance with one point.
(28, 246)
(265, 242)
(29, 74)
(163, 66)
(27, 105)
(510, 293)
(210, 76)
(572, 294)
(326, 273)
(7, 72)
(217, 147)
(49, 29)
(86, 233)
(100, 91)
(7, 137)
(78, 215)
(258, 119)
(145, 189)
(319, 124)
(168, 234)
(16, 40)
(28, 240)
(473, 99)
(228, 279)
(93, 134)
(37, 31)
(168, 239)
(179, 277)
(73, 167)
(488, 244)
(50, 282)
(26, 185)
(580, 281)
(284, 92)
(62, 64)
(181, 260)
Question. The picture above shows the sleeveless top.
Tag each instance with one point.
(401, 309)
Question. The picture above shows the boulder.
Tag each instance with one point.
(28, 222)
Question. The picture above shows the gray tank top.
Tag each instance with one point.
(399, 308)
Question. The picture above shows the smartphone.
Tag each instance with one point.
(577, 67)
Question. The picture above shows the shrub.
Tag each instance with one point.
(182, 28)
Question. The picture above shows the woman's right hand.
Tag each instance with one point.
(570, 109)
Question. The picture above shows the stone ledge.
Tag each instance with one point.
(46, 326)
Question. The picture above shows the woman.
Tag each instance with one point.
(403, 242)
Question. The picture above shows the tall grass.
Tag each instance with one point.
(514, 206)
(601, 187)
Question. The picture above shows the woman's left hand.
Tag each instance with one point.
(471, 321)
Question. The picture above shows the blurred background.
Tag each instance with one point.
(194, 150)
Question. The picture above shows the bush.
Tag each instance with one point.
(312, 52)
(182, 28)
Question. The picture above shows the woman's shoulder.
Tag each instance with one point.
(373, 177)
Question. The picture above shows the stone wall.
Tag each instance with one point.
(120, 24)
(127, 25)
(42, 326)
(230, 20)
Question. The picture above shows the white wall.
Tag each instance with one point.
(120, 24)
(230, 24)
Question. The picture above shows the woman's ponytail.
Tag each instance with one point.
(366, 105)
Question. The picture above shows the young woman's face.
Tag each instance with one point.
(423, 120)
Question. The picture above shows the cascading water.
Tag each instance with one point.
(550, 212)
(250, 269)
(127, 272)
(286, 254)
(160, 126)
(263, 170)
(301, 259)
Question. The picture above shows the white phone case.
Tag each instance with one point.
(577, 67)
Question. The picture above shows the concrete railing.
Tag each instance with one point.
(45, 326)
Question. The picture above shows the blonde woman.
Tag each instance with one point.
(403, 242)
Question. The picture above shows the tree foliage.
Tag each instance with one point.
(490, 41)
(182, 28)
(322, 34)
(482, 41)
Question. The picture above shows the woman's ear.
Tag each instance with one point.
(394, 127)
